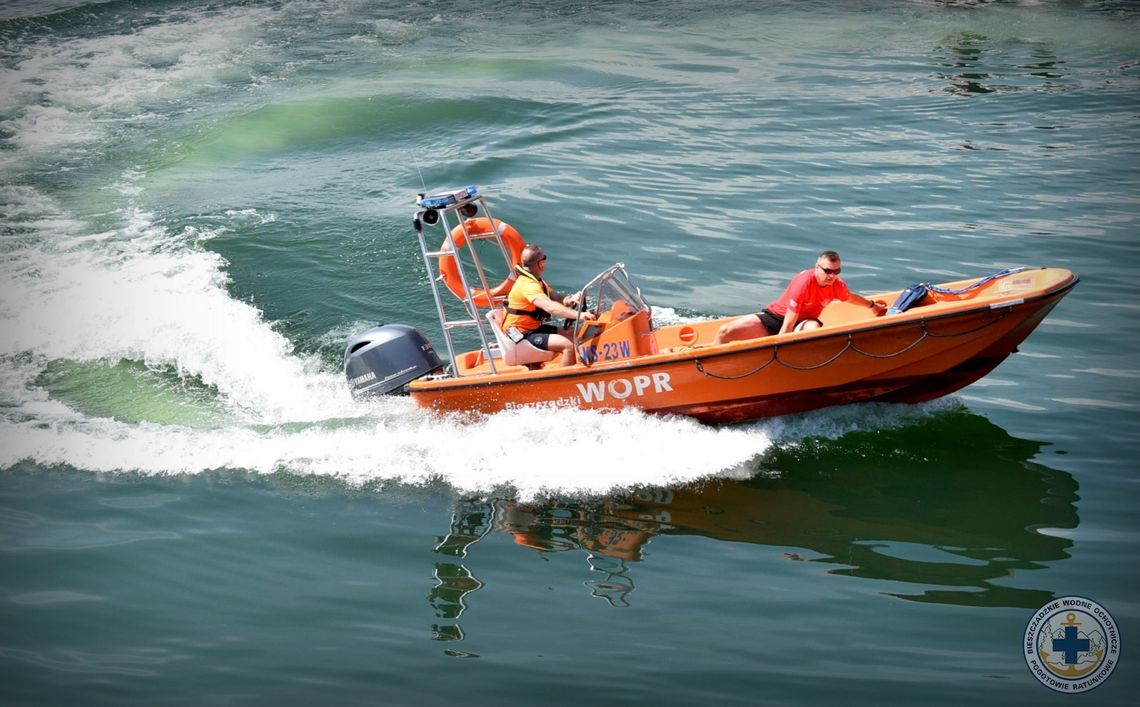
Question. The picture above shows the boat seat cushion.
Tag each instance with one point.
(514, 354)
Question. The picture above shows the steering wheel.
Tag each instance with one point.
(576, 323)
(569, 323)
(586, 329)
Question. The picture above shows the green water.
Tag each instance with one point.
(202, 202)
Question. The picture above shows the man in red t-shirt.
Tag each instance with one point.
(801, 304)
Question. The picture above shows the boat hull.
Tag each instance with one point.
(911, 357)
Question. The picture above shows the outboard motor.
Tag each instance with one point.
(383, 359)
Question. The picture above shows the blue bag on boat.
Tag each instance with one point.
(911, 295)
(907, 298)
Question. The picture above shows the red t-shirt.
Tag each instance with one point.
(809, 297)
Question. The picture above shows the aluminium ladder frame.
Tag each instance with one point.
(447, 250)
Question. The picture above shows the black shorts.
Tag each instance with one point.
(772, 322)
(540, 337)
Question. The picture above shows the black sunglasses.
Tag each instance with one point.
(828, 271)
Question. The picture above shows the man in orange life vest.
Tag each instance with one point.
(800, 305)
(531, 302)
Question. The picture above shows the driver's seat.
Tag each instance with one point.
(519, 354)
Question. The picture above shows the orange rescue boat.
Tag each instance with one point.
(949, 337)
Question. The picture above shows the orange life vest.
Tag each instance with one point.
(524, 315)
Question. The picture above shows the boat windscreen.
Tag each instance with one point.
(612, 290)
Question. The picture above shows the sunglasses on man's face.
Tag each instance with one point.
(828, 271)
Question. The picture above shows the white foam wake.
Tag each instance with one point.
(532, 452)
(134, 290)
(150, 297)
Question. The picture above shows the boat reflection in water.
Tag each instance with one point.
(948, 505)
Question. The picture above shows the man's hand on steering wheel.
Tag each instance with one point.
(578, 303)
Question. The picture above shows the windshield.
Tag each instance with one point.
(610, 292)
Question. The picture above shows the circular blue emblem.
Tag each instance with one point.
(1072, 644)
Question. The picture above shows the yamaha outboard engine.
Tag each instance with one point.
(383, 359)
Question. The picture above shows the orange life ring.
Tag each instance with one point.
(449, 266)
